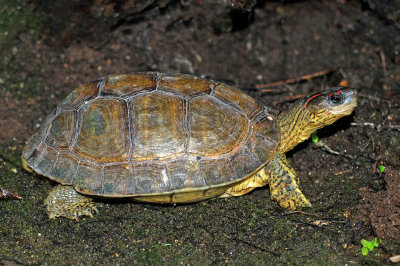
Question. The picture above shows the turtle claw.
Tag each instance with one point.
(65, 201)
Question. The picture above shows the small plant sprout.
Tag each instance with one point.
(321, 143)
(381, 168)
(368, 246)
(314, 137)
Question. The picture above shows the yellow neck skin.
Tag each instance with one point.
(295, 126)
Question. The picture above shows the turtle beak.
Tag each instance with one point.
(348, 104)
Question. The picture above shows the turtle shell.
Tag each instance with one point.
(155, 137)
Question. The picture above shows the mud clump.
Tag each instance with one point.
(383, 207)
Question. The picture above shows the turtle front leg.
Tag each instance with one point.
(65, 201)
(283, 183)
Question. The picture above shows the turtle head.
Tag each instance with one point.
(324, 108)
(314, 112)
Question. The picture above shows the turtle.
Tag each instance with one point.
(172, 138)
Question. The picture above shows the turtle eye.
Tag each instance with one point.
(336, 97)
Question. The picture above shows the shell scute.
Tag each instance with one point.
(245, 162)
(36, 154)
(118, 180)
(185, 84)
(218, 171)
(80, 95)
(267, 127)
(65, 168)
(184, 173)
(61, 130)
(159, 126)
(104, 132)
(129, 84)
(150, 177)
(46, 161)
(88, 179)
(245, 103)
(214, 128)
(262, 148)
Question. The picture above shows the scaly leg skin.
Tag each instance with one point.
(65, 201)
(258, 179)
(283, 183)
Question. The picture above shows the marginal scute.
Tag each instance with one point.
(215, 129)
(262, 147)
(118, 180)
(159, 126)
(247, 104)
(47, 159)
(104, 133)
(186, 85)
(80, 95)
(244, 162)
(61, 130)
(185, 173)
(64, 169)
(88, 179)
(267, 128)
(150, 178)
(128, 84)
(30, 146)
(36, 155)
(44, 127)
(217, 171)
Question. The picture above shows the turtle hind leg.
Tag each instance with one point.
(283, 183)
(65, 201)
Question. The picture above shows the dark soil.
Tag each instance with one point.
(48, 48)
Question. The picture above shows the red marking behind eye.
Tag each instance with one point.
(312, 97)
(338, 92)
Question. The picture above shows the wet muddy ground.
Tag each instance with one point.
(354, 43)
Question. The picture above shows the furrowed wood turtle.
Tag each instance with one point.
(172, 138)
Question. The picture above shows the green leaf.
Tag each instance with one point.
(314, 137)
(376, 242)
(370, 245)
(364, 251)
(364, 242)
(381, 168)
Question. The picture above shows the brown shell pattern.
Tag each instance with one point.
(144, 134)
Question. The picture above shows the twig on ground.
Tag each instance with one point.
(298, 212)
(6, 194)
(314, 224)
(322, 145)
(283, 88)
(343, 172)
(263, 87)
(383, 60)
(257, 247)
